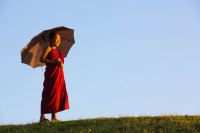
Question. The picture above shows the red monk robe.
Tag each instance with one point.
(54, 95)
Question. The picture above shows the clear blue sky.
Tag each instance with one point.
(130, 58)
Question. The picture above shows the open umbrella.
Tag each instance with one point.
(32, 52)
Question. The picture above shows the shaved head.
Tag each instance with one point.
(52, 35)
(54, 39)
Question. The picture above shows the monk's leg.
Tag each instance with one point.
(53, 117)
(42, 117)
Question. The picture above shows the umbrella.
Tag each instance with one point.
(32, 52)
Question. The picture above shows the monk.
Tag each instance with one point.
(54, 95)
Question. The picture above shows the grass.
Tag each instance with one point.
(130, 124)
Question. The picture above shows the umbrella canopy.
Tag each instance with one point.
(32, 52)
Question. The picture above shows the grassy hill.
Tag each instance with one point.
(141, 124)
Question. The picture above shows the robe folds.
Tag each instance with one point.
(54, 94)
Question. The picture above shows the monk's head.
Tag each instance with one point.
(54, 39)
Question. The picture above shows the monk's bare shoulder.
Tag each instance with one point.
(45, 52)
(47, 48)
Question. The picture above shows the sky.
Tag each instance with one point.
(130, 58)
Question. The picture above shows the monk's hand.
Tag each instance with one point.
(61, 64)
(58, 61)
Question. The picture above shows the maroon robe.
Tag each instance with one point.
(54, 95)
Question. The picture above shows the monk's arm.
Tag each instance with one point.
(44, 55)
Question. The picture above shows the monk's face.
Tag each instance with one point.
(55, 41)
